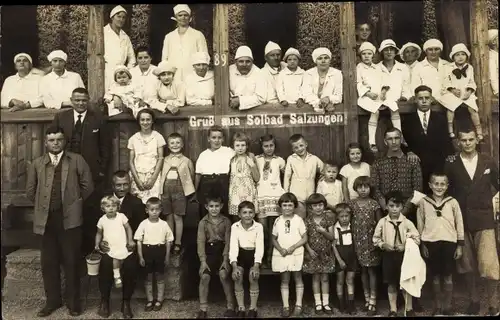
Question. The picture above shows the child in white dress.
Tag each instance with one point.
(329, 186)
(289, 81)
(199, 84)
(113, 228)
(459, 87)
(123, 93)
(355, 168)
(169, 93)
(289, 238)
(146, 157)
(269, 188)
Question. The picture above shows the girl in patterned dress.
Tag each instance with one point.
(289, 238)
(269, 188)
(320, 260)
(352, 170)
(243, 175)
(146, 157)
(366, 212)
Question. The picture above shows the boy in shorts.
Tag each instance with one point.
(390, 236)
(177, 180)
(213, 250)
(440, 224)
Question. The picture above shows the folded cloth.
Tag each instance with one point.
(413, 269)
(417, 197)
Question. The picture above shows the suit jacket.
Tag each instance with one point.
(474, 196)
(134, 209)
(432, 148)
(76, 186)
(96, 140)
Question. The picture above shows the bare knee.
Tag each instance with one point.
(448, 279)
(324, 277)
(436, 280)
(297, 276)
(205, 278)
(223, 275)
(178, 218)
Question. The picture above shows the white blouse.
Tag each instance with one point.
(200, 91)
(253, 237)
(289, 85)
(332, 86)
(250, 88)
(57, 89)
(25, 88)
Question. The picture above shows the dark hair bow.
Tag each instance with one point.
(459, 73)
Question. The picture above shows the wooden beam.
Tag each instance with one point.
(452, 16)
(348, 54)
(221, 59)
(480, 62)
(95, 54)
(384, 21)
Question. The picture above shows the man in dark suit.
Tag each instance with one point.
(471, 176)
(58, 183)
(426, 134)
(135, 211)
(88, 136)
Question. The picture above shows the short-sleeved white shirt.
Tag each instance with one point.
(154, 232)
(289, 234)
(351, 174)
(214, 162)
(114, 234)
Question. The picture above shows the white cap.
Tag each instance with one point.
(22, 54)
(182, 7)
(459, 47)
(387, 43)
(116, 10)
(319, 52)
(271, 46)
(57, 54)
(408, 45)
(492, 34)
(164, 66)
(122, 68)
(243, 51)
(433, 43)
(200, 57)
(291, 51)
(367, 46)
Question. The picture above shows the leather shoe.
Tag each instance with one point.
(103, 309)
(126, 310)
(75, 311)
(47, 311)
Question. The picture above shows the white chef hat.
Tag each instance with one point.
(57, 54)
(122, 68)
(367, 46)
(182, 7)
(433, 43)
(200, 57)
(408, 45)
(164, 66)
(116, 10)
(492, 34)
(388, 43)
(22, 54)
(271, 46)
(459, 47)
(243, 51)
(291, 51)
(319, 52)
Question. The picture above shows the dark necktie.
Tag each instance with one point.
(425, 122)
(397, 235)
(78, 124)
(459, 73)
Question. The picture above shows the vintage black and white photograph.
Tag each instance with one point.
(250, 160)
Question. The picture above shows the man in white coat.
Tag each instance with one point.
(118, 49)
(180, 44)
(493, 44)
(247, 85)
(272, 68)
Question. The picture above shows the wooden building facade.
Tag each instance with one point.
(22, 133)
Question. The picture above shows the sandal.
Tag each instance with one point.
(158, 305)
(319, 309)
(149, 306)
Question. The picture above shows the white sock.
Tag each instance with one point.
(317, 299)
(372, 127)
(116, 273)
(326, 299)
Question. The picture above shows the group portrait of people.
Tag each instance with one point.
(423, 208)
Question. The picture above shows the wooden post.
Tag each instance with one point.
(348, 54)
(384, 21)
(221, 59)
(452, 15)
(95, 54)
(480, 62)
